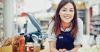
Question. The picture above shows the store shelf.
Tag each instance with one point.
(95, 25)
(1, 23)
(81, 13)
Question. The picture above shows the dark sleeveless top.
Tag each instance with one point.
(65, 40)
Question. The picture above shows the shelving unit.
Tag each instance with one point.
(1, 23)
(95, 21)
(95, 25)
(81, 13)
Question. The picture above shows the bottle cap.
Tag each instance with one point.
(21, 33)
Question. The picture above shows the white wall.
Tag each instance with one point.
(35, 5)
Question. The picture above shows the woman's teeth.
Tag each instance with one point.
(66, 17)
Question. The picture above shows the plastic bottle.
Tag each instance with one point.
(22, 43)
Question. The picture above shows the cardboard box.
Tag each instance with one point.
(6, 49)
(0, 49)
(36, 49)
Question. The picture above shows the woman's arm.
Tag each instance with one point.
(78, 39)
(75, 49)
(51, 38)
(52, 46)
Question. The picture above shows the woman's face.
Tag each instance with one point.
(67, 13)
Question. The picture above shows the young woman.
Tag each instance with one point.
(65, 30)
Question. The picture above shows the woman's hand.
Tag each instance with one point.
(63, 50)
(60, 50)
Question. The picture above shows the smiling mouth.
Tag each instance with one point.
(67, 17)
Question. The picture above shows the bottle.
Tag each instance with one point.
(29, 47)
(22, 43)
(29, 43)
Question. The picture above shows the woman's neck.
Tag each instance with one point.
(65, 25)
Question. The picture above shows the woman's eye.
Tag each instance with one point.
(63, 10)
(71, 10)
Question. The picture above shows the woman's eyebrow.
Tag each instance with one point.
(65, 8)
